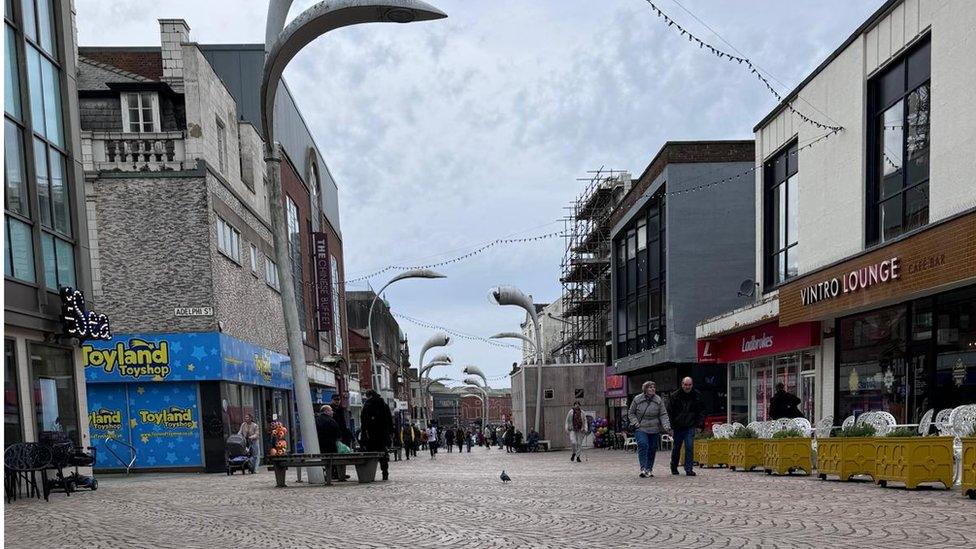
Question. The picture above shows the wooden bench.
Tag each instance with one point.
(365, 463)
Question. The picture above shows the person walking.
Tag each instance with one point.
(577, 429)
(432, 440)
(406, 438)
(469, 440)
(449, 439)
(508, 437)
(423, 439)
(251, 432)
(416, 440)
(494, 438)
(459, 438)
(784, 404)
(377, 422)
(397, 444)
(649, 416)
(687, 411)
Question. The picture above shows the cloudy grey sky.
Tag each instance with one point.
(448, 134)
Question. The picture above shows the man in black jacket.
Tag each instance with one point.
(327, 429)
(784, 404)
(377, 422)
(339, 415)
(687, 412)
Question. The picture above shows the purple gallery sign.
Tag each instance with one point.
(323, 280)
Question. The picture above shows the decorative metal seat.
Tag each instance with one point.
(883, 422)
(802, 424)
(824, 426)
(755, 426)
(21, 463)
(962, 420)
(942, 422)
(925, 424)
(848, 422)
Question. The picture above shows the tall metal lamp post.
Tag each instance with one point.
(437, 340)
(281, 45)
(509, 295)
(413, 273)
(472, 370)
(474, 382)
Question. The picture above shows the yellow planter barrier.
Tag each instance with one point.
(785, 455)
(914, 460)
(701, 449)
(846, 456)
(745, 453)
(716, 453)
(969, 467)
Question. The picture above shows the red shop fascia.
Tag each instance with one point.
(766, 339)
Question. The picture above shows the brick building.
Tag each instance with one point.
(499, 408)
(390, 375)
(182, 252)
(866, 241)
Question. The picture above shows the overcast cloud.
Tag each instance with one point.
(448, 134)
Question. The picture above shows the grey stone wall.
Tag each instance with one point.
(563, 379)
(154, 250)
(101, 114)
(248, 308)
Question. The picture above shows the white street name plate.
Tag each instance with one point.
(194, 311)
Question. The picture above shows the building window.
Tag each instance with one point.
(780, 201)
(44, 81)
(18, 241)
(11, 91)
(38, 22)
(140, 112)
(271, 273)
(221, 146)
(548, 394)
(13, 429)
(254, 259)
(336, 311)
(295, 255)
(639, 280)
(228, 240)
(55, 391)
(899, 104)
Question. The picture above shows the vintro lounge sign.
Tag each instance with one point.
(852, 281)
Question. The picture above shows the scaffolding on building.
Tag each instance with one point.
(586, 267)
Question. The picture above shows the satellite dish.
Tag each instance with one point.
(747, 288)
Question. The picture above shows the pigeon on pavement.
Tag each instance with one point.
(504, 477)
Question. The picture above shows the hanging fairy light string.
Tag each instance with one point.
(740, 60)
(477, 251)
(745, 173)
(453, 332)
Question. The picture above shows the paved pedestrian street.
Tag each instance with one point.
(459, 501)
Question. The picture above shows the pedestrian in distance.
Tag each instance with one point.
(509, 438)
(459, 438)
(327, 430)
(423, 439)
(649, 416)
(469, 440)
(432, 440)
(406, 438)
(397, 444)
(494, 438)
(416, 440)
(687, 412)
(377, 431)
(784, 404)
(577, 428)
(449, 438)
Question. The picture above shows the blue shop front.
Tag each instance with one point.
(173, 398)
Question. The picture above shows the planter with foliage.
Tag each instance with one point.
(716, 453)
(969, 465)
(850, 452)
(788, 451)
(904, 456)
(745, 450)
(703, 440)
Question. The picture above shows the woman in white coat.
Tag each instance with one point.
(577, 428)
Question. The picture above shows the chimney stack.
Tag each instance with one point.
(173, 33)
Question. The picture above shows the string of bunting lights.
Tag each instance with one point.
(477, 251)
(747, 172)
(455, 333)
(740, 60)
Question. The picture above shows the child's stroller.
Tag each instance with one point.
(237, 455)
(65, 454)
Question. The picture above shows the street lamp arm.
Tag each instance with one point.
(514, 335)
(318, 20)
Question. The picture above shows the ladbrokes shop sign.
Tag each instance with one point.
(941, 255)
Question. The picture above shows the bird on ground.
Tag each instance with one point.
(505, 478)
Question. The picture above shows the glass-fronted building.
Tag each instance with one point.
(45, 235)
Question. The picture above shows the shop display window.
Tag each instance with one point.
(55, 391)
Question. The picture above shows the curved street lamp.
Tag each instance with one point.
(510, 295)
(472, 382)
(413, 273)
(473, 370)
(281, 45)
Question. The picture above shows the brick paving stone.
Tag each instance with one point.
(457, 500)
